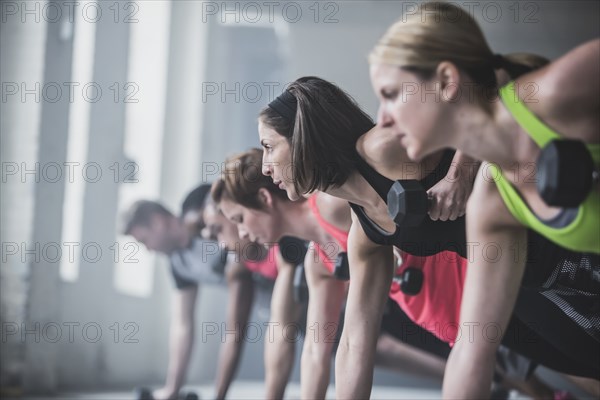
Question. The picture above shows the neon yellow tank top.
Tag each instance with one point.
(583, 233)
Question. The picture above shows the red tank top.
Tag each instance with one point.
(266, 267)
(338, 234)
(437, 306)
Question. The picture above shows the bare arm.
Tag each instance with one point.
(181, 341)
(450, 195)
(565, 93)
(325, 302)
(239, 305)
(280, 343)
(491, 288)
(371, 268)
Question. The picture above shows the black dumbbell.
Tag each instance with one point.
(142, 393)
(565, 173)
(407, 203)
(189, 396)
(341, 269)
(410, 281)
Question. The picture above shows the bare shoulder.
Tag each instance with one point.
(381, 148)
(566, 91)
(314, 267)
(359, 242)
(336, 211)
(486, 210)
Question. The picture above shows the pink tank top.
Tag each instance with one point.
(339, 235)
(437, 306)
(266, 267)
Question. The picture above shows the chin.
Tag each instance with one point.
(292, 195)
(414, 153)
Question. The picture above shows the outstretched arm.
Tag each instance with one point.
(281, 345)
(371, 269)
(181, 341)
(326, 296)
(239, 305)
(491, 289)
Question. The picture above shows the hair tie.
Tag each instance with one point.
(285, 105)
(498, 61)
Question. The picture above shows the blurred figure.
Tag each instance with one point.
(193, 260)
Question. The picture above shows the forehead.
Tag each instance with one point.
(192, 216)
(384, 73)
(140, 231)
(210, 214)
(230, 209)
(266, 132)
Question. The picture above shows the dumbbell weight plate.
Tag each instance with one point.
(407, 203)
(142, 393)
(564, 173)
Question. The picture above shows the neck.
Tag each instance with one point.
(486, 136)
(182, 236)
(357, 190)
(309, 228)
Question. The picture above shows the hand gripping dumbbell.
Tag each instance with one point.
(407, 203)
(410, 281)
(565, 173)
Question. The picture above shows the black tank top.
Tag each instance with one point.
(429, 238)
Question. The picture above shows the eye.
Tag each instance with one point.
(389, 94)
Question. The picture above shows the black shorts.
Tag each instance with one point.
(397, 324)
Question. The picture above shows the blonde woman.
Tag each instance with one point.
(448, 54)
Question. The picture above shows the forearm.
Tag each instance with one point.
(354, 363)
(279, 361)
(315, 372)
(464, 167)
(228, 362)
(478, 366)
(180, 348)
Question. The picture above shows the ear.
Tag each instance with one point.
(449, 77)
(265, 198)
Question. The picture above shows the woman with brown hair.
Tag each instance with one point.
(315, 137)
(264, 214)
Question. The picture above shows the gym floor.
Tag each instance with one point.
(245, 390)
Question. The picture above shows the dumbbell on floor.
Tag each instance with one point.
(143, 393)
(565, 173)
(407, 203)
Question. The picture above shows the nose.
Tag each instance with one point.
(383, 116)
(205, 233)
(266, 169)
(242, 232)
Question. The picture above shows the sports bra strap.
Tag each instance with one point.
(536, 129)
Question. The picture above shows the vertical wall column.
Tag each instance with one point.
(44, 284)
